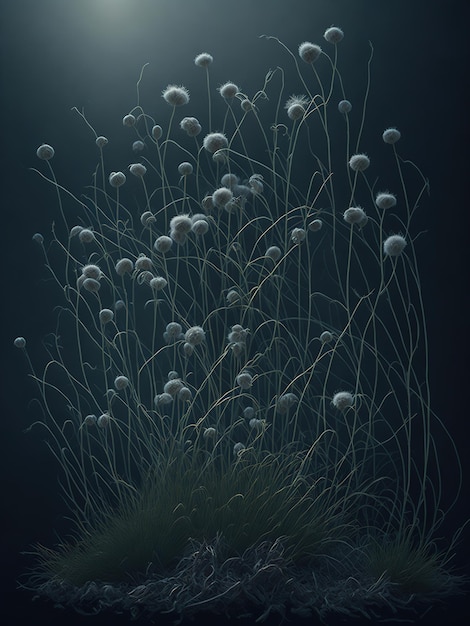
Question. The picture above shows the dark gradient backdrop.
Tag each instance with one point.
(56, 54)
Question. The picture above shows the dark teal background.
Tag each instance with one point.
(56, 54)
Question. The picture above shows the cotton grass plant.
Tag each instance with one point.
(239, 372)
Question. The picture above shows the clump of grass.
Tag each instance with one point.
(248, 502)
(413, 567)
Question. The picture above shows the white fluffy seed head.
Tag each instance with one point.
(173, 386)
(117, 179)
(188, 349)
(249, 412)
(238, 448)
(20, 343)
(385, 200)
(222, 196)
(203, 60)
(354, 215)
(163, 244)
(333, 34)
(128, 120)
(162, 399)
(91, 271)
(138, 146)
(394, 245)
(295, 107)
(45, 152)
(237, 334)
(298, 235)
(256, 424)
(200, 227)
(274, 253)
(326, 336)
(86, 235)
(75, 230)
(174, 329)
(90, 420)
(178, 237)
(106, 316)
(246, 105)
(157, 132)
(209, 433)
(309, 52)
(175, 95)
(286, 402)
(391, 135)
(342, 400)
(233, 296)
(359, 162)
(228, 90)
(181, 224)
(214, 142)
(185, 168)
(138, 169)
(121, 382)
(158, 283)
(101, 141)
(221, 156)
(207, 203)
(147, 218)
(91, 284)
(103, 420)
(143, 263)
(124, 266)
(244, 380)
(191, 125)
(315, 225)
(295, 112)
(185, 394)
(229, 180)
(194, 335)
(344, 106)
(256, 184)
